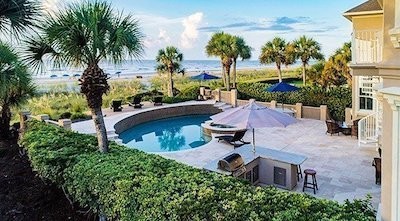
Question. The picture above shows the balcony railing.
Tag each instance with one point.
(367, 46)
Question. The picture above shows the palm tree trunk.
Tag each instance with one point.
(101, 131)
(223, 73)
(228, 80)
(234, 73)
(93, 85)
(304, 74)
(278, 67)
(5, 122)
(170, 85)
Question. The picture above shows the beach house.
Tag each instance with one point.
(375, 68)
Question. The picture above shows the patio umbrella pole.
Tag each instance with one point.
(254, 142)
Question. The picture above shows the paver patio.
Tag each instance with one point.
(344, 170)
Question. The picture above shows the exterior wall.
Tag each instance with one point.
(369, 22)
(390, 153)
(306, 111)
(389, 70)
(390, 54)
(386, 183)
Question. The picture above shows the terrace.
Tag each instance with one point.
(344, 170)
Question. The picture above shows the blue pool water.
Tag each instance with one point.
(171, 134)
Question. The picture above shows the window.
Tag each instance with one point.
(365, 93)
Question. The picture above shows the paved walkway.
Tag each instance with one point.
(344, 170)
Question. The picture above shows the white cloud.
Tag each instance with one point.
(190, 32)
(52, 6)
(162, 39)
(163, 36)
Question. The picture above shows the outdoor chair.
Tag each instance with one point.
(354, 128)
(116, 105)
(377, 164)
(207, 94)
(157, 101)
(332, 127)
(136, 102)
(237, 137)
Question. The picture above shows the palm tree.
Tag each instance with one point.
(16, 85)
(342, 58)
(307, 49)
(222, 45)
(243, 51)
(17, 15)
(277, 51)
(169, 60)
(83, 35)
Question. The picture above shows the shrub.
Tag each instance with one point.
(336, 98)
(127, 184)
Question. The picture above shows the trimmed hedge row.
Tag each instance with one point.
(127, 184)
(337, 98)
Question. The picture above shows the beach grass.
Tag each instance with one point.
(265, 75)
(63, 100)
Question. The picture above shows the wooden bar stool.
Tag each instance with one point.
(299, 173)
(313, 185)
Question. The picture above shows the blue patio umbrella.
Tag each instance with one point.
(204, 76)
(282, 87)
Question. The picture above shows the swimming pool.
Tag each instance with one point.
(171, 134)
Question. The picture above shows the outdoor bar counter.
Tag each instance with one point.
(265, 166)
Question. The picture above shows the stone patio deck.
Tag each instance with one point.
(344, 170)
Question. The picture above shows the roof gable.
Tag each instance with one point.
(370, 5)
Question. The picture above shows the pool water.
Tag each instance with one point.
(171, 134)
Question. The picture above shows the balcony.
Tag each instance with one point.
(367, 47)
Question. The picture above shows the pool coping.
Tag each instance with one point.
(87, 126)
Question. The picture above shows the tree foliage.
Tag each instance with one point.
(336, 71)
(169, 60)
(222, 45)
(305, 49)
(16, 85)
(16, 16)
(242, 51)
(277, 51)
(82, 35)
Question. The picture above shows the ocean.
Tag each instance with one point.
(144, 68)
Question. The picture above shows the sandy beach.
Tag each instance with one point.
(144, 78)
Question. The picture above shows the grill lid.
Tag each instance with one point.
(231, 162)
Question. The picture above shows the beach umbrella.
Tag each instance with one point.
(204, 76)
(282, 87)
(253, 116)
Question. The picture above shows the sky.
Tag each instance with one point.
(189, 24)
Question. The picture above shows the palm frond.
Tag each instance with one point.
(16, 83)
(37, 49)
(18, 15)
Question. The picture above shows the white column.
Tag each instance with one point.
(397, 14)
(395, 32)
(392, 95)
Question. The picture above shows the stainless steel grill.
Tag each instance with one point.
(233, 163)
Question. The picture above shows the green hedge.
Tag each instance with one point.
(337, 98)
(127, 184)
(188, 93)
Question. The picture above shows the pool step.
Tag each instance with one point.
(222, 106)
(225, 107)
(111, 135)
(219, 104)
